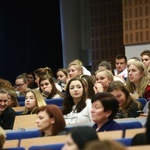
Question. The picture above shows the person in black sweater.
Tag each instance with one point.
(143, 138)
(7, 114)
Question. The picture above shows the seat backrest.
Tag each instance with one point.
(21, 98)
(22, 134)
(131, 125)
(143, 102)
(47, 147)
(21, 103)
(42, 141)
(56, 101)
(25, 121)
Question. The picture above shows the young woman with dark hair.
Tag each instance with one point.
(48, 88)
(128, 106)
(76, 107)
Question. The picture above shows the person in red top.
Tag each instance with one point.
(138, 80)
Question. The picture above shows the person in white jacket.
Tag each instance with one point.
(76, 107)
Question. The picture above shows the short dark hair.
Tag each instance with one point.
(23, 77)
(121, 56)
(108, 101)
(82, 135)
(145, 52)
(105, 64)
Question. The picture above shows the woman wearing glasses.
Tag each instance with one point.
(21, 85)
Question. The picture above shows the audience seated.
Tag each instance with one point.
(62, 76)
(74, 69)
(89, 84)
(42, 72)
(31, 80)
(145, 57)
(50, 120)
(12, 99)
(103, 80)
(7, 114)
(39, 72)
(21, 85)
(104, 109)
(121, 66)
(138, 80)
(128, 107)
(131, 60)
(143, 138)
(76, 107)
(78, 137)
(107, 65)
(5, 84)
(33, 100)
(48, 88)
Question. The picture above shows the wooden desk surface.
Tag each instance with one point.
(11, 143)
(20, 108)
(130, 133)
(25, 121)
(143, 147)
(110, 135)
(42, 141)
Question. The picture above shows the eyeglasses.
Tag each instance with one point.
(19, 85)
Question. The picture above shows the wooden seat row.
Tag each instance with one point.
(111, 135)
(56, 139)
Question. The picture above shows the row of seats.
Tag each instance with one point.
(60, 139)
(56, 101)
(60, 145)
(21, 100)
(32, 133)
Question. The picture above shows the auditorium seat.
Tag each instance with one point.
(130, 125)
(47, 147)
(22, 134)
(21, 98)
(56, 101)
(143, 102)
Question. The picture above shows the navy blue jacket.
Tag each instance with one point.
(109, 126)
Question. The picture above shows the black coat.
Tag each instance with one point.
(7, 118)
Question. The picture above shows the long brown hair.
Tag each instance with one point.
(118, 85)
(54, 89)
